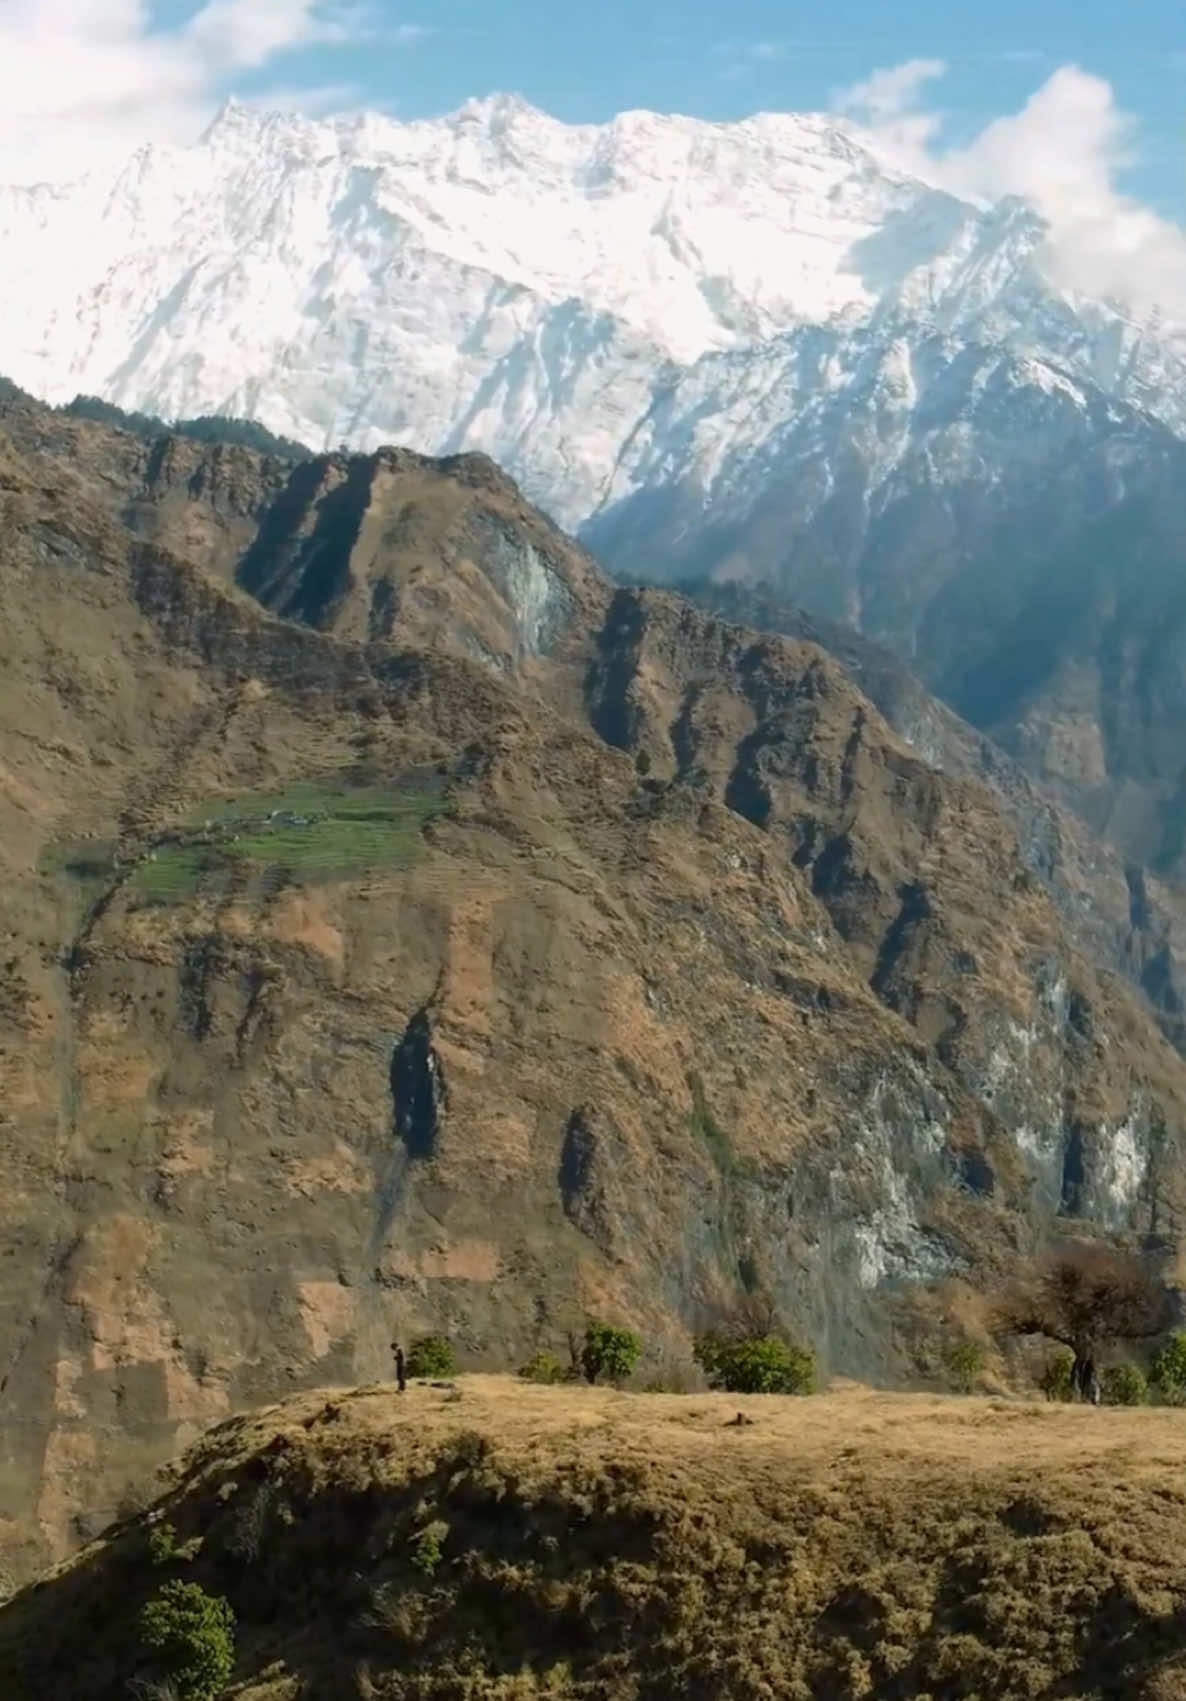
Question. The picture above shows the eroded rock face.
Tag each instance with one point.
(943, 919)
(418, 1089)
(1119, 913)
(559, 952)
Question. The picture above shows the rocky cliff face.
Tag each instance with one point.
(403, 928)
(1011, 531)
(1118, 911)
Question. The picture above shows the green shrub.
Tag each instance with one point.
(193, 1636)
(609, 1352)
(247, 1525)
(471, 1450)
(163, 1546)
(162, 1542)
(1168, 1372)
(1055, 1380)
(963, 1362)
(430, 1356)
(543, 1367)
(706, 1127)
(1124, 1385)
(755, 1364)
(428, 1546)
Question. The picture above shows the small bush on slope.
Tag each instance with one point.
(609, 1353)
(192, 1635)
(1056, 1378)
(964, 1362)
(429, 1357)
(545, 1368)
(1168, 1372)
(1124, 1385)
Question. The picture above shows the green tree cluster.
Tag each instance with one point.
(609, 1353)
(755, 1364)
(1167, 1374)
(206, 428)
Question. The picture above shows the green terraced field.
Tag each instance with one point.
(175, 873)
(309, 833)
(310, 798)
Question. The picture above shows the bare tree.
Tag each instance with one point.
(739, 1316)
(1085, 1295)
(756, 1314)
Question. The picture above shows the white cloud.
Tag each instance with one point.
(895, 89)
(243, 35)
(1063, 152)
(310, 100)
(888, 102)
(85, 82)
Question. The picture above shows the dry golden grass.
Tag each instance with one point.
(894, 1433)
(503, 1540)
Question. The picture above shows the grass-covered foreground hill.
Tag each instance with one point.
(493, 1539)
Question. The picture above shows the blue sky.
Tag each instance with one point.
(724, 58)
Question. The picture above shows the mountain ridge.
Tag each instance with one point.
(752, 349)
(562, 950)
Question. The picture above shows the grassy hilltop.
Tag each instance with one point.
(491, 1539)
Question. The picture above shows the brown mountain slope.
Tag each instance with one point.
(1120, 913)
(360, 550)
(556, 951)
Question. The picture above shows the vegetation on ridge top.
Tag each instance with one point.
(501, 1542)
(205, 428)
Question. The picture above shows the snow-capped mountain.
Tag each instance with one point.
(499, 280)
(752, 350)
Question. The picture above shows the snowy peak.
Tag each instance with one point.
(233, 118)
(498, 113)
(501, 281)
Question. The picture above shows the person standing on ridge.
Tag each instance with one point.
(401, 1374)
